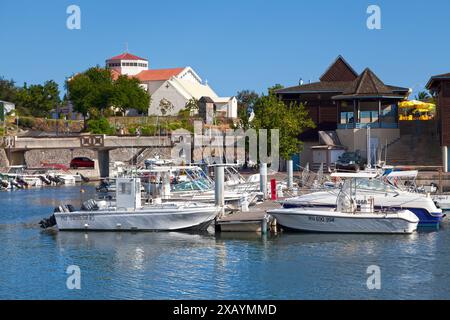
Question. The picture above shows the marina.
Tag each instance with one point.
(227, 265)
(235, 152)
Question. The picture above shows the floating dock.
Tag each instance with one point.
(254, 220)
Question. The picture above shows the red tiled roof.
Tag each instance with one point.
(158, 74)
(126, 56)
(115, 74)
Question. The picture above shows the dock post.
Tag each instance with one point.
(263, 179)
(445, 159)
(166, 185)
(103, 163)
(290, 172)
(264, 225)
(219, 186)
(273, 189)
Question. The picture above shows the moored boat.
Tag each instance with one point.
(347, 216)
(386, 197)
(127, 213)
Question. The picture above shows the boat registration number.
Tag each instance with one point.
(87, 217)
(321, 219)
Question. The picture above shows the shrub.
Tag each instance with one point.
(100, 126)
(149, 130)
(26, 122)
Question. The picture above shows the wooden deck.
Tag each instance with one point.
(255, 220)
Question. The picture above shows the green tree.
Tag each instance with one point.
(422, 95)
(94, 92)
(128, 94)
(246, 102)
(291, 120)
(90, 89)
(192, 106)
(8, 90)
(38, 100)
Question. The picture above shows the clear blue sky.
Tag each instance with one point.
(234, 44)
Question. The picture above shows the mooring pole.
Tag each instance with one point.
(290, 172)
(219, 186)
(166, 185)
(263, 179)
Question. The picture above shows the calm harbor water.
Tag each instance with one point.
(33, 263)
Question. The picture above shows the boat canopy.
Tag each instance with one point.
(404, 174)
(350, 175)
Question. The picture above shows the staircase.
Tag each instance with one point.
(412, 149)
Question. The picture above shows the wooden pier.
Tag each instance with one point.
(254, 220)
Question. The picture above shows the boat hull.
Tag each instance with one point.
(308, 220)
(139, 220)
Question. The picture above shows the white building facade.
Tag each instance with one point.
(170, 89)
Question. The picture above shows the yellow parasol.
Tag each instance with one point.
(417, 105)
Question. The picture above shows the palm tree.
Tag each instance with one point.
(422, 95)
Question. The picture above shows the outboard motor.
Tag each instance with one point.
(45, 180)
(89, 205)
(54, 179)
(4, 184)
(58, 180)
(16, 184)
(103, 186)
(22, 182)
(51, 178)
(85, 179)
(49, 222)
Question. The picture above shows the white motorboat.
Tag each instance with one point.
(67, 179)
(189, 183)
(385, 196)
(406, 180)
(127, 213)
(347, 216)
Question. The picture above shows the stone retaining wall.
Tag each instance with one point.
(35, 158)
(4, 163)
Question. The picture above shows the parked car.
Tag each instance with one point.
(350, 161)
(82, 162)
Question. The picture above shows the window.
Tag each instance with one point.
(368, 111)
(388, 112)
(125, 188)
(347, 117)
(347, 114)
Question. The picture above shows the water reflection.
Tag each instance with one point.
(178, 265)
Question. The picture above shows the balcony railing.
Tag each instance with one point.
(374, 125)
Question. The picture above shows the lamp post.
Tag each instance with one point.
(57, 115)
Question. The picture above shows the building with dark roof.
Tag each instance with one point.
(347, 102)
(439, 85)
(342, 99)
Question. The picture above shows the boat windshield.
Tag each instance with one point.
(199, 184)
(374, 185)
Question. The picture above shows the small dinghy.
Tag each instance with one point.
(127, 213)
(349, 216)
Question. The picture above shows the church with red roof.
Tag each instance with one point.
(170, 88)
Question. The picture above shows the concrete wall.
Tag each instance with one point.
(3, 159)
(356, 139)
(35, 158)
(169, 93)
(306, 156)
